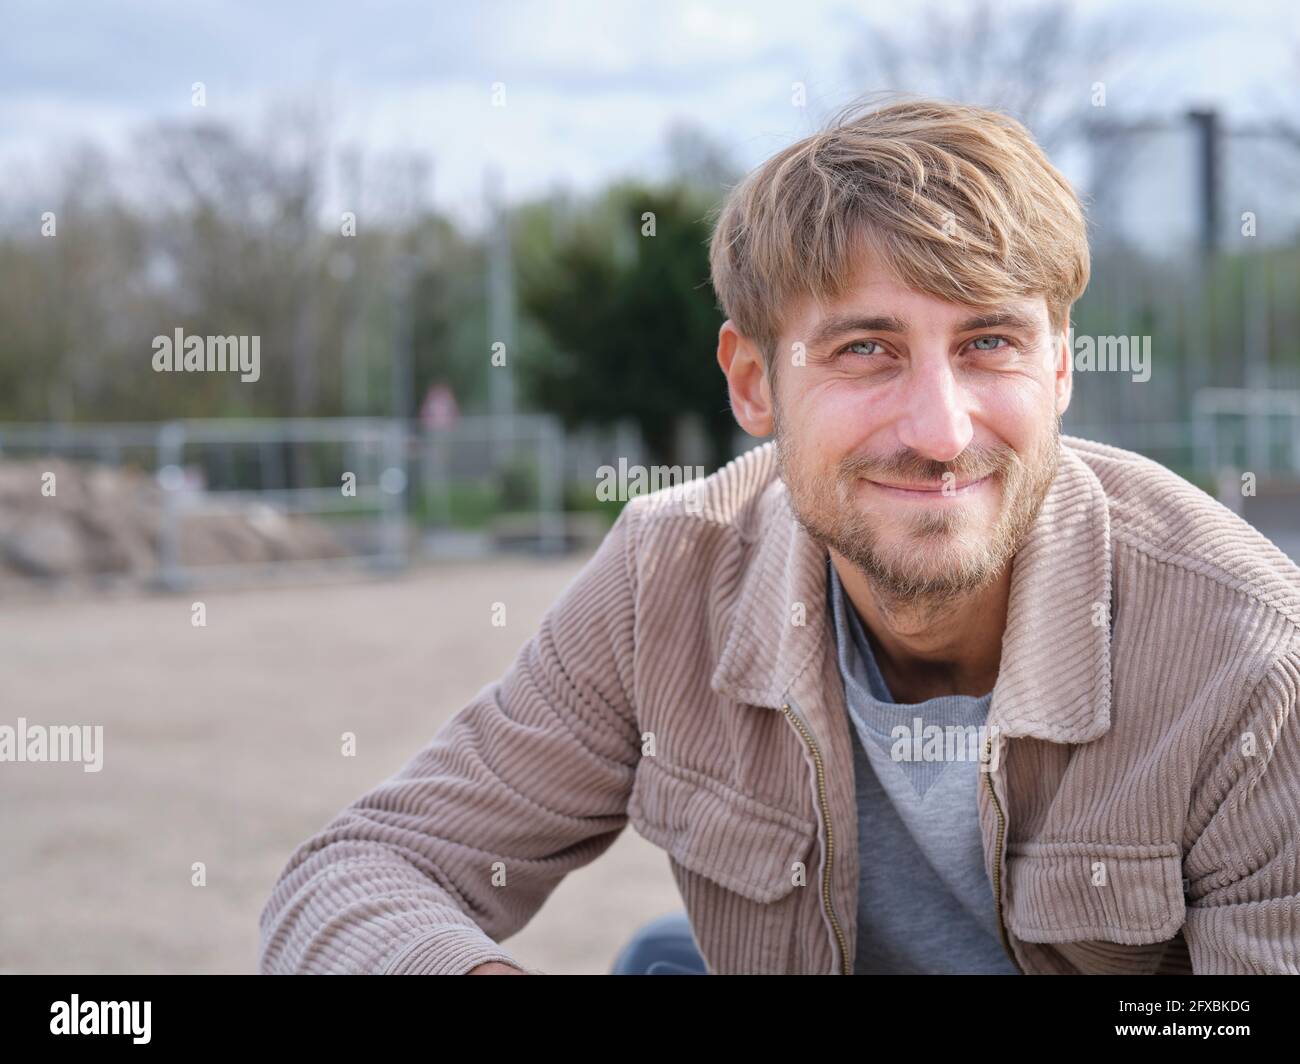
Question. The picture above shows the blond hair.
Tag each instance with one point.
(959, 201)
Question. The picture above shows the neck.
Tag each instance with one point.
(930, 647)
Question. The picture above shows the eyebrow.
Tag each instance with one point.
(840, 325)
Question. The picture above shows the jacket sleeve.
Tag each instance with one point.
(529, 781)
(1244, 869)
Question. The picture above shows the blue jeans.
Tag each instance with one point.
(664, 946)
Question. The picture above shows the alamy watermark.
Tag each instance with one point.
(210, 354)
(56, 742)
(919, 741)
(1111, 354)
(102, 1017)
(628, 481)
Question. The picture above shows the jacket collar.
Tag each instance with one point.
(1054, 679)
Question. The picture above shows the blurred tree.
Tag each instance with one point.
(1020, 58)
(697, 159)
(450, 313)
(238, 223)
(630, 316)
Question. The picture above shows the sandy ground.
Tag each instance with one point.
(221, 745)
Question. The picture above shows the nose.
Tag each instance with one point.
(936, 423)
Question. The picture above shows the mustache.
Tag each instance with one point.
(972, 464)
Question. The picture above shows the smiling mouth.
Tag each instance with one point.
(934, 490)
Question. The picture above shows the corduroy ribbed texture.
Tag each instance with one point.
(686, 682)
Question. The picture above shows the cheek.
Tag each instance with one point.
(1018, 414)
(836, 422)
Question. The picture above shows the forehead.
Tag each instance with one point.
(876, 292)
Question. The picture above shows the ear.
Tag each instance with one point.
(742, 364)
(1063, 366)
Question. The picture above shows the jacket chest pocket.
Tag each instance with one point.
(736, 861)
(1079, 891)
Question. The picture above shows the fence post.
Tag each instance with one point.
(1294, 421)
(393, 483)
(1259, 459)
(171, 478)
(1204, 435)
(550, 495)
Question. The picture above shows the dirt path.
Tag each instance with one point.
(221, 745)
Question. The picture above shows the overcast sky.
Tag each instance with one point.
(590, 87)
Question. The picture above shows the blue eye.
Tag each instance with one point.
(980, 339)
(861, 343)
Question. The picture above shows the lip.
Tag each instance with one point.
(936, 492)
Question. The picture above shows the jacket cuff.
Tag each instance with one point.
(452, 950)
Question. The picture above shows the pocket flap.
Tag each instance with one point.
(707, 827)
(1070, 892)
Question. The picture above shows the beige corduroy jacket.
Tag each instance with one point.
(1141, 804)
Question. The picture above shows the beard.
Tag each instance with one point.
(930, 558)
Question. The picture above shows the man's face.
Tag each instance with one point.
(916, 439)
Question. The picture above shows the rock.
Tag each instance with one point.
(104, 522)
(44, 546)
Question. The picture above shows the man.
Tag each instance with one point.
(919, 686)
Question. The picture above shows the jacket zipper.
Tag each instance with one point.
(997, 853)
(830, 838)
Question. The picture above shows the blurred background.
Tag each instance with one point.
(472, 243)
